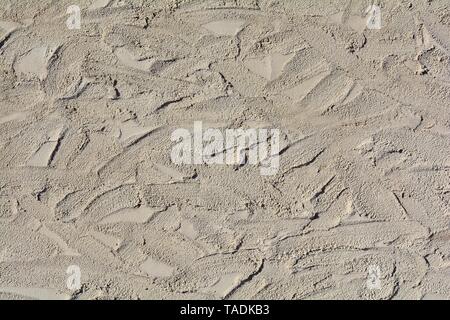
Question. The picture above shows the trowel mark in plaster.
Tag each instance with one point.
(133, 215)
(225, 27)
(130, 130)
(64, 247)
(98, 4)
(188, 229)
(15, 116)
(129, 60)
(271, 66)
(36, 293)
(108, 240)
(300, 91)
(9, 26)
(34, 62)
(155, 268)
(224, 285)
(45, 153)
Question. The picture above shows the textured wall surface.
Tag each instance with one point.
(360, 204)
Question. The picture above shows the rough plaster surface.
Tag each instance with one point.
(86, 177)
